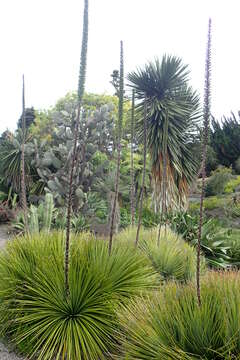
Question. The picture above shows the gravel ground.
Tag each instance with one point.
(4, 353)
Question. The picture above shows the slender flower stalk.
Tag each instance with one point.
(81, 87)
(119, 137)
(206, 120)
(164, 181)
(132, 159)
(23, 182)
(144, 170)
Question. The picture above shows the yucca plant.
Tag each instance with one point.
(34, 311)
(164, 85)
(171, 325)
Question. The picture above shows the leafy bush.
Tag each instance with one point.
(171, 325)
(149, 218)
(214, 241)
(237, 165)
(125, 217)
(231, 185)
(217, 181)
(172, 259)
(35, 311)
(213, 202)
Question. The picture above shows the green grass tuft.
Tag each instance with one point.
(34, 310)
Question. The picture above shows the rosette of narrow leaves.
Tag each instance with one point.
(171, 325)
(173, 260)
(164, 85)
(34, 310)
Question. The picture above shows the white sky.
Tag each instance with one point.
(42, 38)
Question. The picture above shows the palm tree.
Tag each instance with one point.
(81, 87)
(172, 114)
(119, 137)
(206, 120)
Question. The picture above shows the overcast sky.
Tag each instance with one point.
(42, 38)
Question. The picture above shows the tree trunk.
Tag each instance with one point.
(132, 161)
(144, 170)
(23, 182)
(81, 86)
(119, 136)
(206, 116)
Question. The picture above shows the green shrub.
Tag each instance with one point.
(125, 217)
(172, 259)
(217, 181)
(35, 311)
(231, 185)
(149, 218)
(237, 165)
(214, 241)
(171, 325)
(213, 203)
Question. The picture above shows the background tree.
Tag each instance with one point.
(225, 139)
(29, 118)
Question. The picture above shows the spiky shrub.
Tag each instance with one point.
(175, 259)
(171, 325)
(34, 310)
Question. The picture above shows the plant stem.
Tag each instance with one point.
(119, 136)
(132, 160)
(81, 87)
(144, 169)
(23, 182)
(206, 116)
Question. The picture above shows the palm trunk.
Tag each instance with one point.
(81, 86)
(119, 136)
(23, 182)
(132, 161)
(206, 116)
(144, 170)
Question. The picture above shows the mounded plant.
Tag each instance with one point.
(175, 259)
(42, 320)
(171, 325)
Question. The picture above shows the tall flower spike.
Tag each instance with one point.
(206, 120)
(81, 87)
(119, 137)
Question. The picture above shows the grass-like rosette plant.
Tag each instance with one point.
(171, 325)
(36, 313)
(172, 259)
